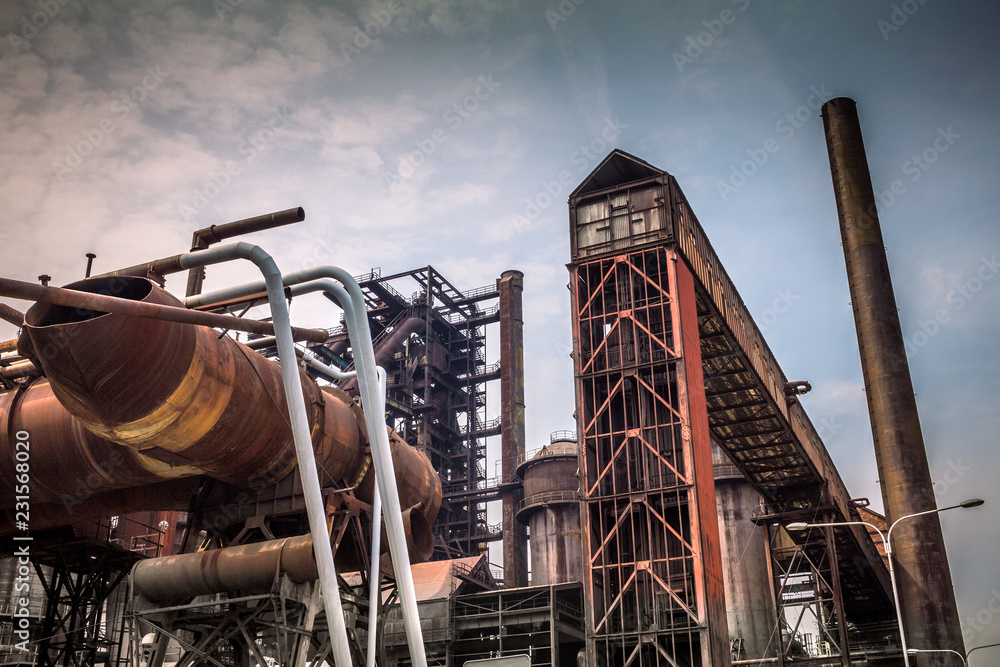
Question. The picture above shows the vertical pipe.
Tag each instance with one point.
(515, 534)
(927, 600)
(90, 263)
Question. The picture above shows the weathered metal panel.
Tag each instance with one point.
(618, 221)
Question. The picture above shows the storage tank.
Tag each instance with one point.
(749, 605)
(551, 509)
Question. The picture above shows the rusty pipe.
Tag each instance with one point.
(21, 369)
(12, 315)
(80, 301)
(180, 394)
(252, 567)
(389, 346)
(69, 464)
(203, 238)
(927, 597)
(8, 345)
(249, 568)
(177, 397)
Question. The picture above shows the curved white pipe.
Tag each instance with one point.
(315, 510)
(326, 278)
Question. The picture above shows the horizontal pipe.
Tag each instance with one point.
(8, 345)
(203, 238)
(21, 369)
(181, 394)
(71, 298)
(249, 567)
(217, 233)
(12, 315)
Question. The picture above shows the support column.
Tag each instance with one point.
(515, 534)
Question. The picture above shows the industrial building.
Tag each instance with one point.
(168, 525)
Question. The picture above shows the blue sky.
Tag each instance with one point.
(418, 133)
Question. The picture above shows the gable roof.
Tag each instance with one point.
(616, 169)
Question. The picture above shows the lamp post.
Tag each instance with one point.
(937, 650)
(969, 652)
(887, 543)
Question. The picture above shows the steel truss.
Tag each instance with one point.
(649, 493)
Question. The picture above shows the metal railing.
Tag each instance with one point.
(547, 498)
(562, 436)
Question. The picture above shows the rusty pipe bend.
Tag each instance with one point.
(179, 394)
(162, 400)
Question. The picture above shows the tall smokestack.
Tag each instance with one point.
(515, 534)
(927, 599)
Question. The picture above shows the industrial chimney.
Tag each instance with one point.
(927, 600)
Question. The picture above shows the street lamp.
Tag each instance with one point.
(938, 650)
(887, 543)
(969, 652)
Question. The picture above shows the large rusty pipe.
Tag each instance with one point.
(203, 238)
(927, 599)
(177, 397)
(180, 394)
(250, 567)
(69, 464)
(79, 298)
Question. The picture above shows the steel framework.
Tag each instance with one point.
(655, 575)
(438, 375)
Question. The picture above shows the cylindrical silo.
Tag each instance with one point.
(551, 509)
(749, 606)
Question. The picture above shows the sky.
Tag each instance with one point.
(424, 132)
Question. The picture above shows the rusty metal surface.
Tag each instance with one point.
(247, 568)
(551, 509)
(515, 534)
(203, 238)
(21, 369)
(130, 401)
(75, 297)
(181, 395)
(69, 464)
(925, 586)
(767, 434)
(12, 315)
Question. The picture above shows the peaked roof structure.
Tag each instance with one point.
(616, 169)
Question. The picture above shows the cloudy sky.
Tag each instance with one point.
(423, 132)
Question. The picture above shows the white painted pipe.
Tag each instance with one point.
(315, 509)
(323, 278)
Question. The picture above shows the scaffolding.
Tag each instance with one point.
(438, 375)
